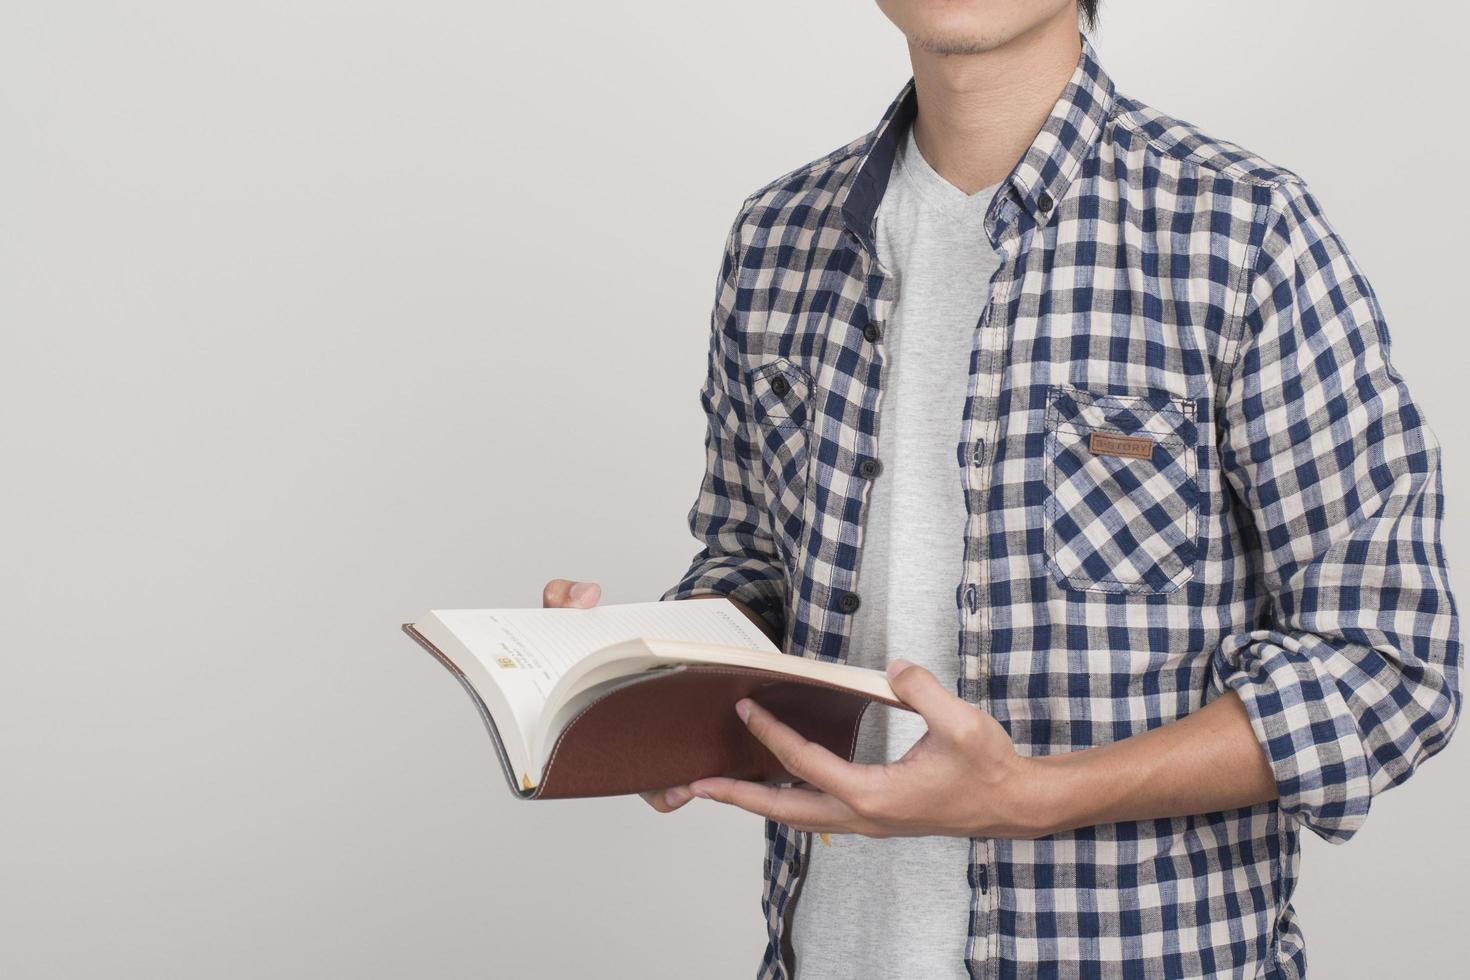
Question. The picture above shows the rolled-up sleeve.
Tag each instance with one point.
(729, 516)
(1350, 675)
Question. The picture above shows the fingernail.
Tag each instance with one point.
(677, 796)
(896, 665)
(578, 590)
(742, 708)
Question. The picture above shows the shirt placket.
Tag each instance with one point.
(979, 433)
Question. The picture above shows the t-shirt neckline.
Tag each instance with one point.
(936, 192)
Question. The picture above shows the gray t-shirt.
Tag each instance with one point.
(899, 907)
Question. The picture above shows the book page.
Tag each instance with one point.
(531, 649)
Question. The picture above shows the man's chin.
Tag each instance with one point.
(956, 42)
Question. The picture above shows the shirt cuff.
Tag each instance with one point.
(757, 582)
(1307, 729)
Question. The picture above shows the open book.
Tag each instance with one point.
(627, 698)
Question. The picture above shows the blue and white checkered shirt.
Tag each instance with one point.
(1188, 466)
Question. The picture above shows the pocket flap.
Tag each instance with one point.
(779, 391)
(1159, 416)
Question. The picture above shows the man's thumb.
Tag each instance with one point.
(921, 690)
(584, 594)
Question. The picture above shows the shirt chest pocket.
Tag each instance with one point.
(780, 399)
(1122, 492)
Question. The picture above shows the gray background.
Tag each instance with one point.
(320, 314)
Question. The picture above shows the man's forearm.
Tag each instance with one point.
(1208, 760)
(750, 613)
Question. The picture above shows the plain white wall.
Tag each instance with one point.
(318, 314)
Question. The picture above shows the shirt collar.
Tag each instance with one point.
(1042, 175)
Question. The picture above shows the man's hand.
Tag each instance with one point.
(963, 777)
(561, 593)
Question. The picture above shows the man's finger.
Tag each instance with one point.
(916, 687)
(808, 761)
(554, 596)
(803, 809)
(562, 593)
(667, 800)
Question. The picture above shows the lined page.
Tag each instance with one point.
(533, 648)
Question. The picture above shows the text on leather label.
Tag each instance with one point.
(1135, 447)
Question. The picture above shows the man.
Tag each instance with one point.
(1148, 526)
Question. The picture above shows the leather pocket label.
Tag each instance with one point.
(1133, 447)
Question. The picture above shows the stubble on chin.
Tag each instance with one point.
(952, 43)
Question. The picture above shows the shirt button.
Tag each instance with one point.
(780, 386)
(849, 602)
(984, 878)
(971, 597)
(1044, 201)
(869, 468)
(871, 333)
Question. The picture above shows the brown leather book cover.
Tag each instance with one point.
(679, 725)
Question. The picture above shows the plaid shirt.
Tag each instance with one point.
(1188, 467)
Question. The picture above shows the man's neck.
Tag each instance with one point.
(978, 113)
